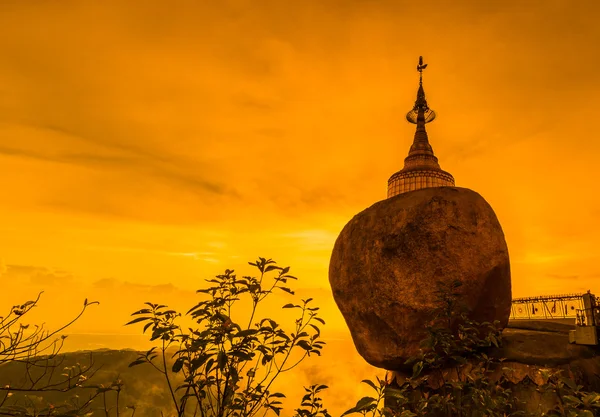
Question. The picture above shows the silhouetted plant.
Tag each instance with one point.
(452, 337)
(38, 351)
(572, 400)
(312, 404)
(228, 367)
(371, 405)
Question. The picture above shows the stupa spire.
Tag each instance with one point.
(421, 167)
(420, 115)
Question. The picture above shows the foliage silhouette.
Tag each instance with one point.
(228, 367)
(38, 351)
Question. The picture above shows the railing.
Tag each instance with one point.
(547, 307)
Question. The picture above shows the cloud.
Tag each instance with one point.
(138, 288)
(144, 288)
(84, 159)
(320, 240)
(248, 101)
(563, 277)
(110, 156)
(155, 113)
(105, 283)
(37, 276)
(207, 256)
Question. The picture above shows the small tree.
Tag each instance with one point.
(228, 367)
(37, 351)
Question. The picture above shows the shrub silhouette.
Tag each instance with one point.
(37, 351)
(228, 367)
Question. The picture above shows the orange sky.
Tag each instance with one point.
(147, 145)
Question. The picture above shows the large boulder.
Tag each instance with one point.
(388, 258)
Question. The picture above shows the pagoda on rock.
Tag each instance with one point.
(421, 167)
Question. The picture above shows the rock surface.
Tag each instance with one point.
(388, 258)
(530, 350)
(542, 348)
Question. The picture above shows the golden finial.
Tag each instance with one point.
(420, 68)
(421, 103)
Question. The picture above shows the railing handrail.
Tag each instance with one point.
(524, 300)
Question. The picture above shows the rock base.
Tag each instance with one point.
(532, 350)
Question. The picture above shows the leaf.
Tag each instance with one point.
(137, 362)
(350, 411)
(277, 395)
(178, 365)
(290, 305)
(137, 320)
(304, 345)
(417, 368)
(271, 267)
(146, 326)
(591, 398)
(370, 383)
(316, 329)
(245, 333)
(319, 319)
(276, 409)
(209, 365)
(572, 399)
(361, 405)
(393, 392)
(570, 383)
(364, 402)
(222, 360)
